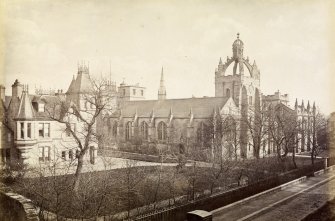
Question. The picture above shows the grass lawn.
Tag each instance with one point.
(114, 191)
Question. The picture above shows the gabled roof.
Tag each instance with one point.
(180, 108)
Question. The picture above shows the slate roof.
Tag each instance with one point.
(180, 108)
(26, 110)
(82, 83)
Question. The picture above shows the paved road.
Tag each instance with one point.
(292, 203)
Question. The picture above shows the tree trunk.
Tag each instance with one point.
(78, 173)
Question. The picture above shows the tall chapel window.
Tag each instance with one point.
(162, 131)
(128, 130)
(144, 130)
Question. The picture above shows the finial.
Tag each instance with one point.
(238, 35)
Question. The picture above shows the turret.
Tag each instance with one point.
(17, 89)
(238, 47)
(162, 90)
(296, 104)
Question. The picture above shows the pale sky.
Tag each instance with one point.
(291, 42)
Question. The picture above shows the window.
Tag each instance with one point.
(144, 130)
(92, 105)
(77, 153)
(64, 155)
(9, 137)
(114, 132)
(44, 129)
(134, 91)
(71, 154)
(29, 130)
(162, 131)
(124, 92)
(128, 130)
(44, 153)
(250, 100)
(201, 134)
(41, 107)
(22, 130)
(142, 92)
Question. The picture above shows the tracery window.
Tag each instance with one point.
(144, 130)
(128, 130)
(162, 131)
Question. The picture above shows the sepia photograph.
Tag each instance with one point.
(167, 110)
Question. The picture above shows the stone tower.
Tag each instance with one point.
(162, 90)
(238, 83)
(242, 83)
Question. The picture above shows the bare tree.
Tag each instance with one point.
(85, 112)
(319, 138)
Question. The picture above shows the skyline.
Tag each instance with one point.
(290, 41)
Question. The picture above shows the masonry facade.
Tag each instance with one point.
(211, 125)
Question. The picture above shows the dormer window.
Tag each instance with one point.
(41, 107)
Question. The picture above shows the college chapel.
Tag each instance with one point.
(219, 125)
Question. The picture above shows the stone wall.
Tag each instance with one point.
(14, 207)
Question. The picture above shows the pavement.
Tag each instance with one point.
(294, 202)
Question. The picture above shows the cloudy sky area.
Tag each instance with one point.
(290, 41)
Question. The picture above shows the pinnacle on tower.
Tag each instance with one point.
(162, 90)
(296, 103)
(308, 106)
(220, 62)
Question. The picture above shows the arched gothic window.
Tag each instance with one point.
(128, 130)
(114, 131)
(203, 135)
(162, 131)
(144, 130)
(230, 129)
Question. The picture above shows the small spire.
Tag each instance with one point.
(296, 103)
(308, 105)
(220, 62)
(162, 90)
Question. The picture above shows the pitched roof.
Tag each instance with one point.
(82, 84)
(201, 107)
(25, 110)
(71, 87)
